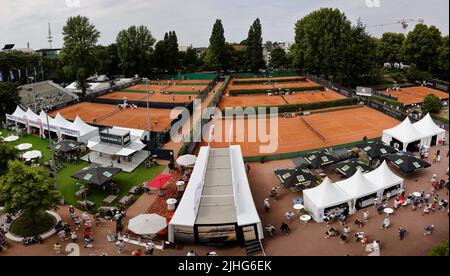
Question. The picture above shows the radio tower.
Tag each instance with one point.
(50, 37)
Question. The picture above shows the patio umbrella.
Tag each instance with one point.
(376, 149)
(350, 167)
(24, 146)
(187, 160)
(319, 159)
(32, 155)
(407, 162)
(11, 138)
(147, 224)
(293, 178)
(96, 174)
(159, 181)
(66, 146)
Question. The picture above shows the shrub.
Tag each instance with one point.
(431, 104)
(240, 82)
(440, 250)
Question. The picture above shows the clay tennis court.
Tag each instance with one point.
(294, 135)
(157, 97)
(271, 79)
(272, 86)
(265, 100)
(111, 115)
(206, 82)
(416, 95)
(194, 89)
(144, 87)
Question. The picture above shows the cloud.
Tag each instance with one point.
(23, 21)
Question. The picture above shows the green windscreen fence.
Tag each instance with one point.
(191, 76)
(272, 74)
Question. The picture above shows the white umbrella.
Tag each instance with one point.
(32, 154)
(147, 224)
(187, 160)
(11, 138)
(24, 146)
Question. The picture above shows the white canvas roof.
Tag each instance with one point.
(82, 127)
(125, 152)
(60, 121)
(405, 132)
(31, 115)
(133, 132)
(18, 112)
(383, 177)
(326, 195)
(428, 127)
(358, 186)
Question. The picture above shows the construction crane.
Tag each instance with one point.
(403, 22)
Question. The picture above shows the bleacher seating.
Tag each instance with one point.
(44, 94)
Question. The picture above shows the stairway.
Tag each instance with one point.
(253, 248)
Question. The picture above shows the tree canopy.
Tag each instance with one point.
(28, 191)
(77, 56)
(278, 58)
(431, 104)
(7, 153)
(254, 49)
(134, 47)
(390, 48)
(216, 56)
(9, 97)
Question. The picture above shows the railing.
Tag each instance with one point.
(262, 248)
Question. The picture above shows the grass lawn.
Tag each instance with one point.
(24, 226)
(66, 184)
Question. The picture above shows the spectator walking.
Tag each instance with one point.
(120, 245)
(57, 248)
(429, 230)
(77, 223)
(271, 230)
(285, 228)
(401, 233)
(149, 248)
(74, 237)
(366, 216)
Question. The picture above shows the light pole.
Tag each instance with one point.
(53, 165)
(148, 121)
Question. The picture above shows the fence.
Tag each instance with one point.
(348, 92)
(383, 95)
(271, 74)
(439, 85)
(397, 114)
(142, 104)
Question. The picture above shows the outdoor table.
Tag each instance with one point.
(171, 204)
(305, 218)
(81, 192)
(110, 199)
(417, 194)
(180, 186)
(124, 200)
(298, 207)
(388, 211)
(86, 203)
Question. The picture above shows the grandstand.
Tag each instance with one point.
(43, 95)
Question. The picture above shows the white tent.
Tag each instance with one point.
(405, 132)
(327, 195)
(429, 128)
(86, 131)
(32, 118)
(386, 180)
(359, 187)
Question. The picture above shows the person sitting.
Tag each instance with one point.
(359, 236)
(271, 230)
(344, 238)
(331, 233)
(359, 223)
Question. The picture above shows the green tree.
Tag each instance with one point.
(7, 153)
(421, 47)
(216, 56)
(440, 250)
(442, 62)
(431, 104)
(321, 40)
(254, 49)
(172, 52)
(28, 191)
(77, 56)
(189, 60)
(389, 48)
(278, 58)
(134, 48)
(108, 60)
(9, 98)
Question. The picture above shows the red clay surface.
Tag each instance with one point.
(144, 87)
(271, 79)
(272, 86)
(111, 115)
(157, 97)
(264, 100)
(338, 127)
(194, 81)
(185, 88)
(416, 95)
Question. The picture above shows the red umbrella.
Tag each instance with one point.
(159, 181)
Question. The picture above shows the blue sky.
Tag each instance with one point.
(23, 21)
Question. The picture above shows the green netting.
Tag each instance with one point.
(265, 75)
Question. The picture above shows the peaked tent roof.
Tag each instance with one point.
(327, 194)
(31, 115)
(60, 121)
(405, 132)
(43, 117)
(383, 177)
(358, 185)
(428, 127)
(18, 112)
(82, 127)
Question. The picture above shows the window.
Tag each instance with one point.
(301, 178)
(286, 176)
(366, 149)
(399, 162)
(345, 168)
(417, 165)
(383, 151)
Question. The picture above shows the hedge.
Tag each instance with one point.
(306, 106)
(388, 101)
(236, 92)
(240, 82)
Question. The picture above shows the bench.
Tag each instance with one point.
(125, 200)
(81, 192)
(110, 199)
(86, 203)
(135, 190)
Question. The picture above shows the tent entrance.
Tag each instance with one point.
(365, 201)
(249, 233)
(394, 141)
(434, 141)
(394, 190)
(216, 234)
(337, 210)
(413, 147)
